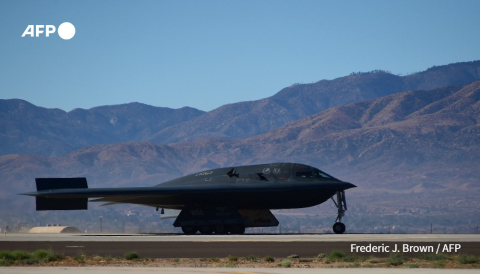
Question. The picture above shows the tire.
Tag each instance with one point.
(338, 228)
(205, 229)
(220, 230)
(189, 230)
(237, 229)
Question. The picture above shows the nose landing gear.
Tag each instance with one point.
(338, 228)
(341, 205)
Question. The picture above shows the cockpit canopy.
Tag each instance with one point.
(307, 172)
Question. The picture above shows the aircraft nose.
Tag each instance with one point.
(347, 185)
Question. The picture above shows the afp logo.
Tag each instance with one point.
(66, 30)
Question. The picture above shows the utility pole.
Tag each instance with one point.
(101, 228)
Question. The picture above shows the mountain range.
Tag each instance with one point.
(371, 129)
(245, 119)
(405, 130)
(25, 128)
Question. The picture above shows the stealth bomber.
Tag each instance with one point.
(221, 201)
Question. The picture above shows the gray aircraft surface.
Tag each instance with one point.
(221, 201)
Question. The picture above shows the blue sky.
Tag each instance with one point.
(205, 54)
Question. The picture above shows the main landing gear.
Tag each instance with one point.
(341, 205)
(217, 229)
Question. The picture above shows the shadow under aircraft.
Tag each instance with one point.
(220, 201)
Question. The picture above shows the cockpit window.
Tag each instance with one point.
(321, 175)
(315, 173)
(305, 174)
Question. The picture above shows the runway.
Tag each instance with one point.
(160, 237)
(206, 246)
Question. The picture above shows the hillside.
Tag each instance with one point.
(410, 138)
(246, 119)
(415, 142)
(26, 128)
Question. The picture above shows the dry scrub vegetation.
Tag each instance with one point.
(336, 259)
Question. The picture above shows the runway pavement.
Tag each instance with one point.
(206, 246)
(22, 237)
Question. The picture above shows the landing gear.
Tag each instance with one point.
(220, 230)
(236, 229)
(341, 205)
(338, 228)
(205, 229)
(189, 230)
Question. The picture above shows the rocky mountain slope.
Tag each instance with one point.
(410, 142)
(246, 119)
(26, 128)
(404, 139)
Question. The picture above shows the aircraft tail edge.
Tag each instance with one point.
(59, 183)
(46, 203)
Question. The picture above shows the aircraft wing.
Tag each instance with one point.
(73, 193)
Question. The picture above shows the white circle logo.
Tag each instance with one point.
(66, 31)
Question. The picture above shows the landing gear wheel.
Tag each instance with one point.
(341, 205)
(237, 229)
(220, 229)
(339, 228)
(205, 229)
(189, 230)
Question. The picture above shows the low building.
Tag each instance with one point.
(54, 229)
